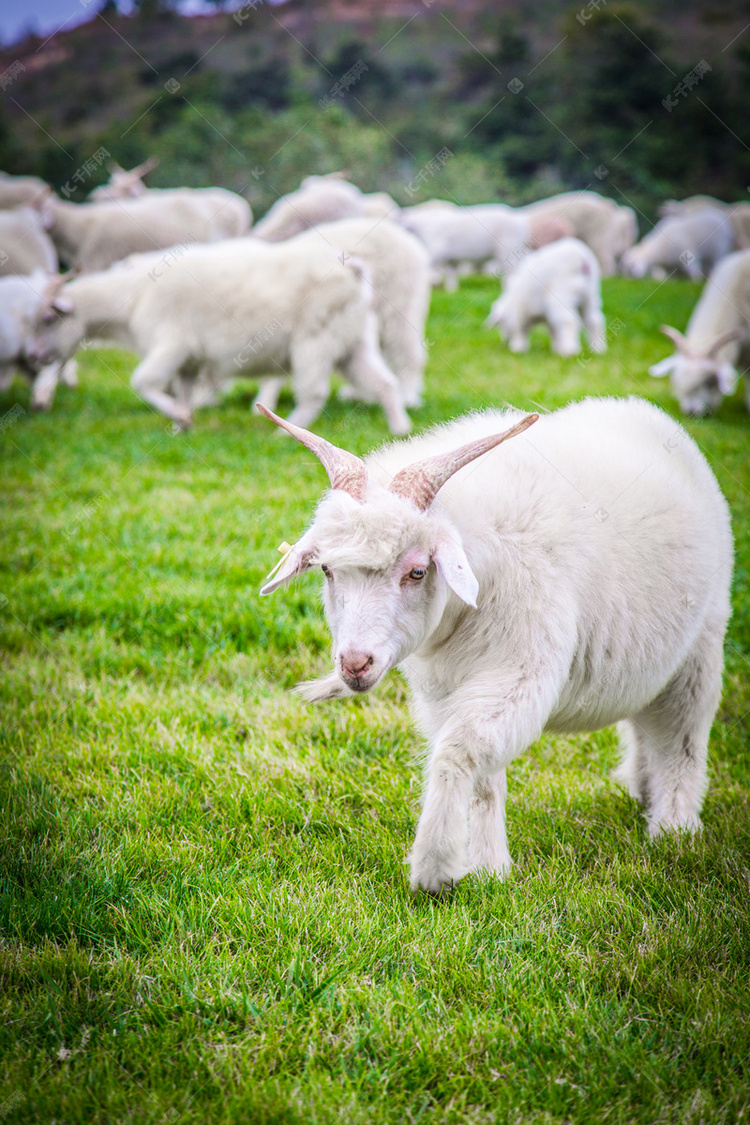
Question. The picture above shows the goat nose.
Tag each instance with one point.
(355, 663)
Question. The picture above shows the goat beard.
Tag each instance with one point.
(327, 687)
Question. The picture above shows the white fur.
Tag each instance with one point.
(22, 191)
(20, 303)
(699, 379)
(601, 549)
(92, 236)
(239, 307)
(25, 246)
(559, 285)
(692, 242)
(490, 234)
(318, 199)
(605, 227)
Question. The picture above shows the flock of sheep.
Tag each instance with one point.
(576, 577)
(334, 278)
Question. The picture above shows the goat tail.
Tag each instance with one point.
(327, 687)
(364, 273)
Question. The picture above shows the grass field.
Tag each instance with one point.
(204, 913)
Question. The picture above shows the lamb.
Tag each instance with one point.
(21, 300)
(319, 199)
(577, 578)
(604, 226)
(488, 233)
(692, 242)
(560, 285)
(91, 236)
(25, 246)
(704, 367)
(259, 309)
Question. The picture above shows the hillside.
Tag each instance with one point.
(254, 99)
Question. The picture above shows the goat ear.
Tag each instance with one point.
(453, 567)
(63, 303)
(295, 562)
(663, 367)
(726, 376)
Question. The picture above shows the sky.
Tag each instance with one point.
(47, 16)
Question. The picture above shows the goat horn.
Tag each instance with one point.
(422, 481)
(148, 165)
(719, 343)
(676, 337)
(345, 471)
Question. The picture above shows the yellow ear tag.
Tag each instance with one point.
(284, 548)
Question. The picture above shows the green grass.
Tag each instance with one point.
(203, 905)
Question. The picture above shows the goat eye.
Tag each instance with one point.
(326, 570)
(417, 572)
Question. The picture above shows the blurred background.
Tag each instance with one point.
(471, 101)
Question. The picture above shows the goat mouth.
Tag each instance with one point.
(364, 683)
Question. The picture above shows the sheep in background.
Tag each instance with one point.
(490, 233)
(597, 221)
(573, 579)
(691, 242)
(92, 236)
(22, 191)
(379, 205)
(125, 185)
(559, 285)
(25, 245)
(22, 299)
(319, 199)
(264, 308)
(704, 367)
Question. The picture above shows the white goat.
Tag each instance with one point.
(318, 199)
(22, 298)
(704, 367)
(123, 184)
(252, 309)
(92, 236)
(25, 245)
(488, 234)
(576, 578)
(605, 227)
(22, 191)
(559, 285)
(691, 242)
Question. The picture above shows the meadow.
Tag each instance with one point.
(204, 912)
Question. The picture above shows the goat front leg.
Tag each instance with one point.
(463, 778)
(151, 378)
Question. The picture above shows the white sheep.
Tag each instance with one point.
(25, 245)
(575, 578)
(487, 234)
(22, 297)
(123, 184)
(318, 199)
(22, 191)
(559, 285)
(691, 242)
(605, 227)
(704, 367)
(91, 236)
(251, 309)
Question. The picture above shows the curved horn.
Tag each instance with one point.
(143, 169)
(345, 471)
(676, 337)
(718, 344)
(422, 481)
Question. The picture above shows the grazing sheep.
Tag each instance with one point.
(597, 221)
(704, 367)
(489, 234)
(124, 185)
(250, 310)
(577, 577)
(692, 242)
(21, 300)
(559, 285)
(22, 191)
(25, 245)
(319, 199)
(91, 236)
